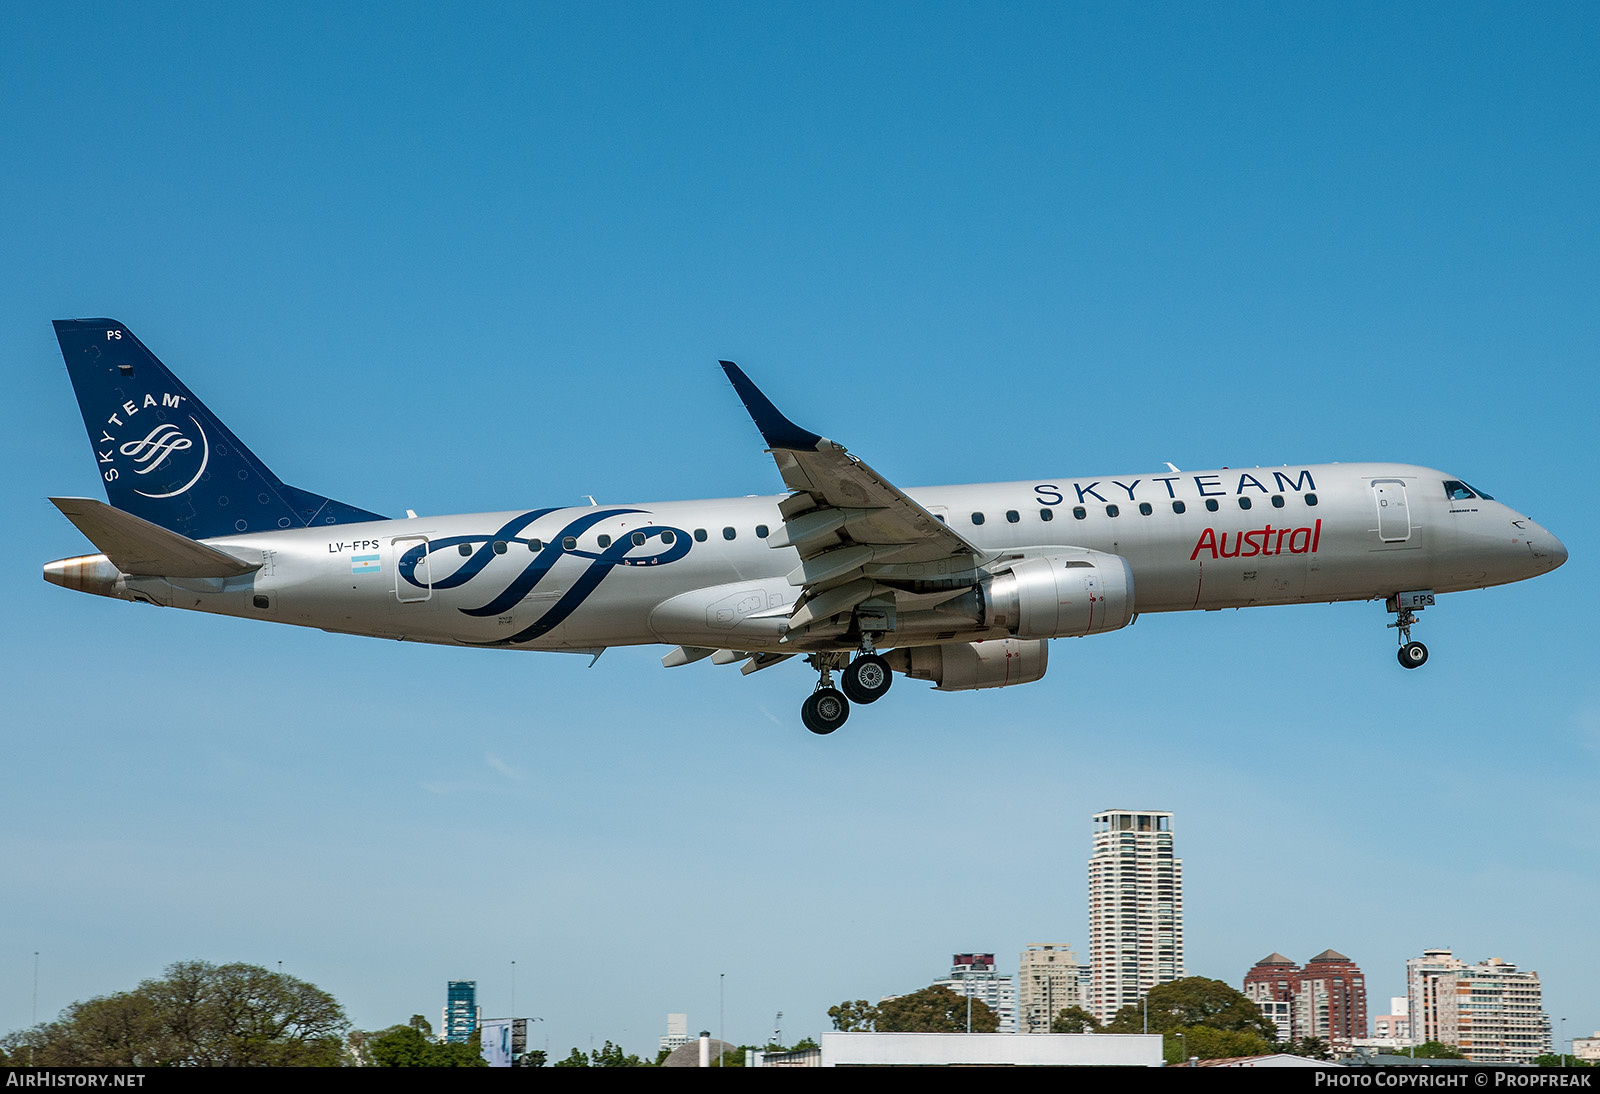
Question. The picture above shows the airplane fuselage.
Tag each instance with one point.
(703, 573)
(962, 586)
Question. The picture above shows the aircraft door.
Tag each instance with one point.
(1394, 515)
(419, 589)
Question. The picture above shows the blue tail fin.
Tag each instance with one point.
(164, 456)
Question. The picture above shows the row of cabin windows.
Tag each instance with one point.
(570, 543)
(1145, 509)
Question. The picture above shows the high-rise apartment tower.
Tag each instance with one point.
(1049, 980)
(1135, 908)
(1492, 1011)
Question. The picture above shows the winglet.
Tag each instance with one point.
(776, 430)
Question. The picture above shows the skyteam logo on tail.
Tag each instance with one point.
(176, 452)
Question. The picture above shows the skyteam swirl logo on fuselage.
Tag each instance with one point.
(660, 546)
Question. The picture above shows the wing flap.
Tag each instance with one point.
(136, 546)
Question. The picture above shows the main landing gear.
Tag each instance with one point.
(1413, 655)
(865, 680)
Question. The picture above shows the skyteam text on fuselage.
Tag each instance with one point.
(963, 586)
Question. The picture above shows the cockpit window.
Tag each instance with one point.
(1457, 491)
(1480, 493)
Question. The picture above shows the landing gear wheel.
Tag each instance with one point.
(867, 679)
(825, 711)
(1413, 655)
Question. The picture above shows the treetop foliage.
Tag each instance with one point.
(198, 1015)
(934, 1009)
(1074, 1020)
(408, 1046)
(1194, 1001)
(609, 1056)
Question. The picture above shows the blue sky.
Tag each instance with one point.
(464, 259)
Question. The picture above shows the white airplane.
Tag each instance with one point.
(960, 585)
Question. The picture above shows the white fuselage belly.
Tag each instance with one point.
(520, 586)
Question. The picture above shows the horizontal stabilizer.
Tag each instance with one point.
(135, 546)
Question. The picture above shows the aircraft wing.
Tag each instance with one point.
(850, 525)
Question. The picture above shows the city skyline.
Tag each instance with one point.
(466, 261)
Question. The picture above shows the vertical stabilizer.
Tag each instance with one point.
(164, 457)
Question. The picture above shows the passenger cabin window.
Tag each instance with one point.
(728, 533)
(465, 550)
(977, 518)
(1112, 510)
(1178, 507)
(1079, 512)
(699, 535)
(605, 541)
(569, 543)
(1311, 499)
(638, 539)
(1047, 514)
(1012, 516)
(761, 531)
(499, 546)
(1145, 509)
(1244, 503)
(668, 537)
(1277, 501)
(536, 545)
(1211, 505)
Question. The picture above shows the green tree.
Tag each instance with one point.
(854, 1017)
(613, 1056)
(198, 1015)
(733, 1057)
(1194, 1001)
(408, 1046)
(609, 1056)
(1314, 1048)
(1433, 1050)
(1209, 1043)
(935, 1009)
(1074, 1020)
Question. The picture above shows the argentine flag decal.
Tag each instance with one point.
(365, 564)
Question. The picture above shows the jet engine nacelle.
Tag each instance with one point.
(1064, 595)
(967, 666)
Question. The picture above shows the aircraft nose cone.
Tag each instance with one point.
(1554, 549)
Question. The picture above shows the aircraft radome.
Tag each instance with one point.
(960, 585)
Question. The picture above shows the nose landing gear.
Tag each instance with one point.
(1412, 655)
